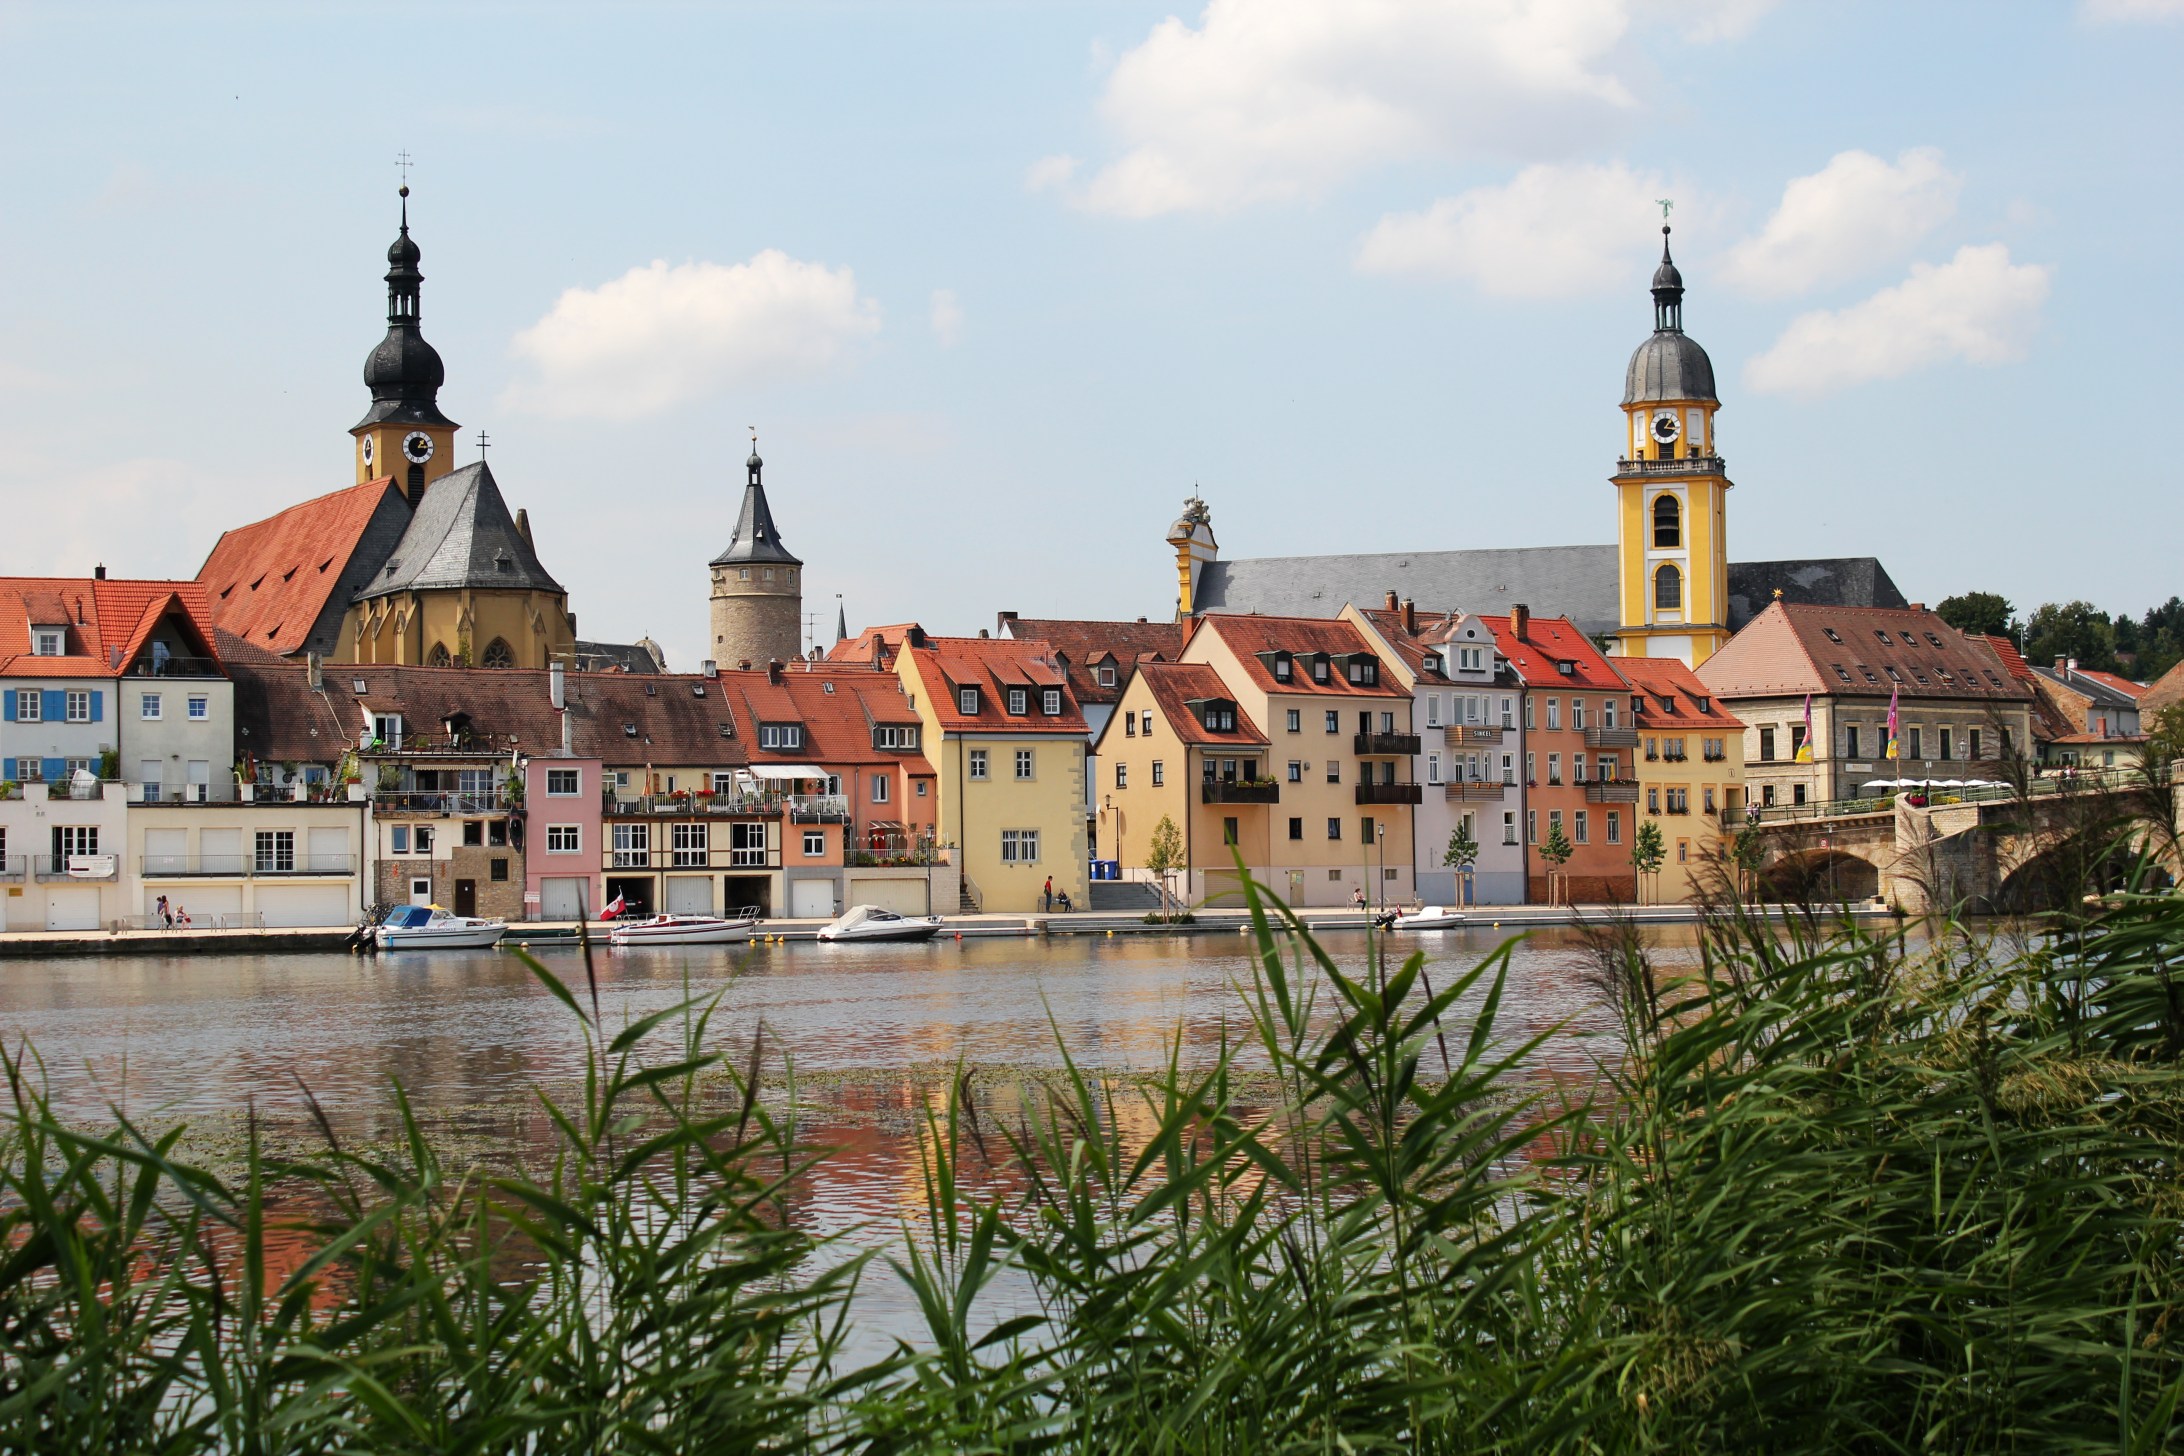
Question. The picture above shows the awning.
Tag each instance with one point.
(786, 771)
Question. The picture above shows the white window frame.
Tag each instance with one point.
(48, 642)
(149, 708)
(1019, 702)
(1026, 765)
(200, 708)
(978, 764)
(880, 789)
(1019, 846)
(564, 839)
(1160, 773)
(77, 706)
(1050, 701)
(815, 842)
(273, 852)
(1122, 776)
(29, 705)
(967, 702)
(573, 777)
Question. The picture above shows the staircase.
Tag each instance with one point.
(1134, 897)
(966, 897)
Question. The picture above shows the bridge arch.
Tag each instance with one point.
(2048, 876)
(1821, 876)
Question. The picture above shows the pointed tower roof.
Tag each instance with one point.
(755, 538)
(462, 535)
(841, 623)
(1670, 365)
(403, 372)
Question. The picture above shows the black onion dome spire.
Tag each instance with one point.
(756, 538)
(1670, 365)
(404, 373)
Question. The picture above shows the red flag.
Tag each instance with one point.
(614, 908)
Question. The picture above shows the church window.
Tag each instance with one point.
(1668, 589)
(438, 656)
(1667, 521)
(498, 654)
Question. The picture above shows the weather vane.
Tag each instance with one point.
(1664, 204)
(402, 163)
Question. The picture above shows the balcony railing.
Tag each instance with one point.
(1612, 791)
(1611, 737)
(245, 866)
(1239, 791)
(176, 667)
(818, 808)
(1474, 789)
(437, 801)
(87, 866)
(1702, 465)
(717, 857)
(1463, 734)
(689, 805)
(1384, 745)
(1390, 794)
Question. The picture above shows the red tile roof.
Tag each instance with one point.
(1547, 643)
(270, 580)
(1301, 637)
(876, 646)
(1873, 651)
(1175, 685)
(108, 622)
(2117, 681)
(2011, 657)
(1691, 703)
(993, 665)
(1083, 645)
(837, 724)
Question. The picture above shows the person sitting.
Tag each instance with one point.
(1061, 898)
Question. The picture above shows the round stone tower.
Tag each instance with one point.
(758, 589)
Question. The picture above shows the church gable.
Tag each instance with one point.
(462, 537)
(283, 583)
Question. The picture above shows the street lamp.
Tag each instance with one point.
(1380, 835)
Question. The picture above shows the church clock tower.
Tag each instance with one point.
(403, 434)
(1671, 488)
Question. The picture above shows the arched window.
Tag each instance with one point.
(498, 654)
(1668, 589)
(438, 656)
(1667, 521)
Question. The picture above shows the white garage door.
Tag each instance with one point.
(689, 894)
(208, 903)
(904, 897)
(564, 899)
(292, 905)
(72, 907)
(811, 899)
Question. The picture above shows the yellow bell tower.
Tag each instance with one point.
(1671, 491)
(403, 434)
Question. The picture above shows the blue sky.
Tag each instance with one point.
(1000, 284)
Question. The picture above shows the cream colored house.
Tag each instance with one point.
(266, 860)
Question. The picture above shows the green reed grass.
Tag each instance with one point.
(1836, 1191)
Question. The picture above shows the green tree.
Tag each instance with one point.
(1648, 851)
(1164, 855)
(1555, 850)
(1986, 612)
(1463, 850)
(1748, 851)
(2071, 629)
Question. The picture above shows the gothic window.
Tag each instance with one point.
(1667, 522)
(438, 656)
(1668, 589)
(498, 654)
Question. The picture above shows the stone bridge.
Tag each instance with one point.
(2003, 853)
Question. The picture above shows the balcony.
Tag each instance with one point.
(73, 866)
(177, 667)
(1611, 738)
(1612, 791)
(1474, 790)
(1390, 794)
(244, 866)
(714, 857)
(1462, 735)
(1386, 745)
(1702, 465)
(1239, 791)
(818, 808)
(686, 806)
(435, 801)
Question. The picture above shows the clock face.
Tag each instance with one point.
(417, 446)
(1665, 428)
(367, 449)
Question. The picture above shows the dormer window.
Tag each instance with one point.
(967, 702)
(1107, 674)
(47, 642)
(1567, 669)
(1433, 663)
(1019, 701)
(1284, 667)
(781, 735)
(1706, 705)
(1319, 668)
(1220, 717)
(1050, 702)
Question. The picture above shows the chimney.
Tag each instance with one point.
(983, 634)
(1391, 599)
(568, 733)
(523, 526)
(709, 668)
(2071, 668)
(1141, 619)
(743, 664)
(314, 671)
(773, 670)
(1004, 620)
(1520, 617)
(98, 572)
(1918, 606)
(1410, 616)
(557, 686)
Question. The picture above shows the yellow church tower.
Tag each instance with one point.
(403, 435)
(1671, 490)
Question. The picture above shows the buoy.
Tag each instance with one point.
(1110, 935)
(959, 937)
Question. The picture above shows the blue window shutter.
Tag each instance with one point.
(55, 770)
(55, 704)
(98, 704)
(9, 694)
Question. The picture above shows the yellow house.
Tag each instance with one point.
(1690, 770)
(1006, 739)
(1340, 746)
(1179, 747)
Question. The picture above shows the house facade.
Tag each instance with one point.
(62, 855)
(1690, 771)
(262, 858)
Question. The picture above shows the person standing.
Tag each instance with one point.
(166, 916)
(1046, 896)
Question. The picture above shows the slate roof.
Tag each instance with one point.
(992, 664)
(1841, 581)
(1081, 645)
(1691, 703)
(1301, 637)
(461, 535)
(1669, 366)
(1873, 652)
(1175, 685)
(285, 582)
(643, 655)
(756, 537)
(2085, 685)
(108, 623)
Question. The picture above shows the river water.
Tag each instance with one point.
(871, 1030)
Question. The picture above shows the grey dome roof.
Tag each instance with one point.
(1669, 366)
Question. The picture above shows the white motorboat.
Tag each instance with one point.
(428, 927)
(870, 922)
(1432, 917)
(686, 929)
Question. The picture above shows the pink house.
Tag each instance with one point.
(562, 820)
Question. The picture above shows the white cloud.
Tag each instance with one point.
(1710, 20)
(2127, 12)
(947, 317)
(1050, 172)
(1276, 100)
(1852, 215)
(1550, 232)
(1978, 307)
(662, 335)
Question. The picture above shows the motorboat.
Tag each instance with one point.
(870, 922)
(686, 929)
(1431, 917)
(428, 927)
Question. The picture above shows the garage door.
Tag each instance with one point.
(207, 904)
(562, 899)
(904, 897)
(811, 899)
(1224, 888)
(72, 907)
(291, 905)
(689, 894)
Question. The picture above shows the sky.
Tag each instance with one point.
(1000, 285)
